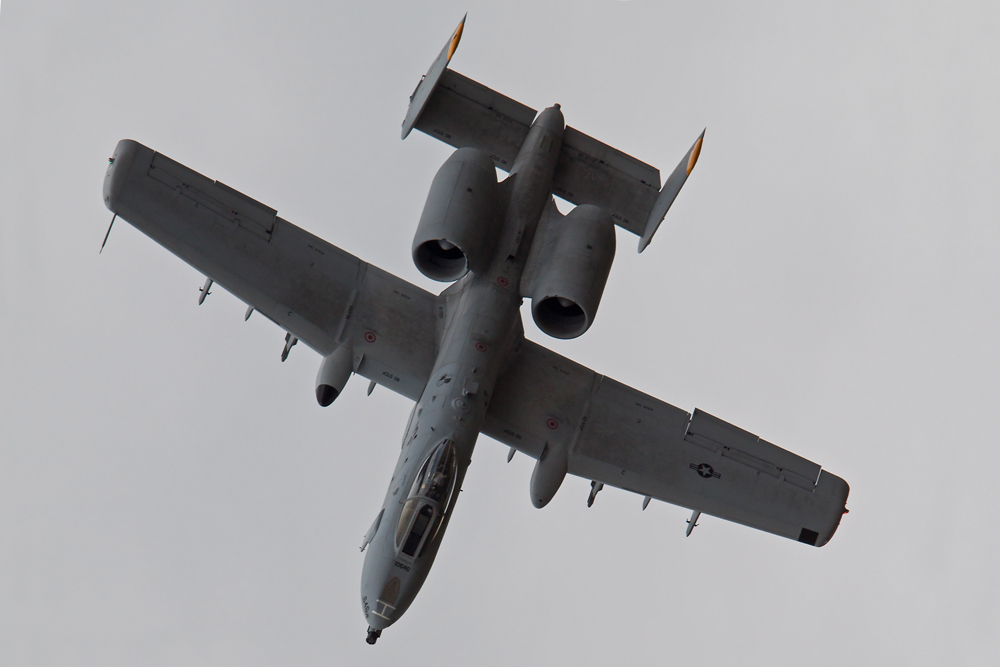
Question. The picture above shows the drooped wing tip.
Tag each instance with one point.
(695, 152)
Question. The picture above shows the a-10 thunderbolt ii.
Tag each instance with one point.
(462, 355)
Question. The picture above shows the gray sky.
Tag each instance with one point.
(171, 494)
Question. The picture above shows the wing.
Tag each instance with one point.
(320, 294)
(624, 438)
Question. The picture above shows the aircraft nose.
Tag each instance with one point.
(382, 604)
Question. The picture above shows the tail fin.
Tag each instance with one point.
(426, 86)
(669, 192)
(461, 112)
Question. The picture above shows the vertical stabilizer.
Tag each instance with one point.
(418, 100)
(669, 192)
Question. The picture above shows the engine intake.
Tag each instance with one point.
(571, 271)
(459, 223)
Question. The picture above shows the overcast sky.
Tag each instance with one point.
(171, 494)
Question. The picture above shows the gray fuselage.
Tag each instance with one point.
(481, 327)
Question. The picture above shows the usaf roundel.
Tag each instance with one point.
(705, 470)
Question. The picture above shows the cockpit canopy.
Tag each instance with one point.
(428, 500)
(436, 479)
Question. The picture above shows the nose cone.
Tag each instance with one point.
(388, 586)
(381, 603)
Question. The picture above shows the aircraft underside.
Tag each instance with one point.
(461, 355)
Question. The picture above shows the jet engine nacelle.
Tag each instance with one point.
(458, 227)
(333, 374)
(572, 270)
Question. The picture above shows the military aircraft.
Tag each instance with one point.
(462, 355)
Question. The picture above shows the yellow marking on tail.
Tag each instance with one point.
(455, 39)
(695, 152)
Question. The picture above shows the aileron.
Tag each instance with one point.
(725, 439)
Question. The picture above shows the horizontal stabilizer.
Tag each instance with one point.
(669, 192)
(591, 172)
(466, 114)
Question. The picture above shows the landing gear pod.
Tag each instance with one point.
(575, 264)
(457, 228)
(333, 375)
(549, 473)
